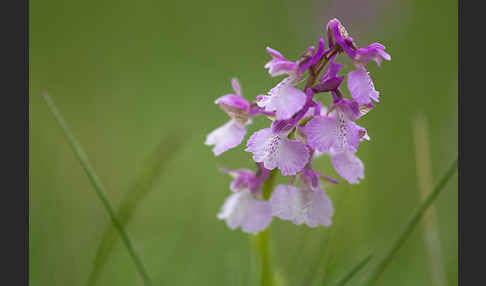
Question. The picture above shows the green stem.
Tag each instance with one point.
(262, 239)
(98, 187)
(411, 224)
(262, 245)
(269, 185)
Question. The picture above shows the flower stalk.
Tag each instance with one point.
(262, 244)
(262, 239)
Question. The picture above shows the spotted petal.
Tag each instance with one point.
(331, 134)
(277, 151)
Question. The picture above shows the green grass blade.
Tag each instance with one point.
(152, 168)
(363, 262)
(98, 187)
(425, 184)
(410, 225)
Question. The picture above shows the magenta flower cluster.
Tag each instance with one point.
(301, 129)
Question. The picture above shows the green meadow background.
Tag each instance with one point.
(136, 82)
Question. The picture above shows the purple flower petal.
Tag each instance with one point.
(284, 99)
(362, 132)
(339, 36)
(348, 108)
(257, 142)
(300, 206)
(348, 166)
(331, 72)
(305, 58)
(373, 52)
(328, 85)
(315, 58)
(241, 209)
(311, 179)
(330, 80)
(233, 100)
(361, 87)
(277, 151)
(226, 137)
(279, 64)
(274, 53)
(244, 179)
(314, 110)
(237, 107)
(331, 134)
(278, 67)
(283, 126)
(236, 86)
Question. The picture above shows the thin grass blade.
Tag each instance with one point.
(362, 263)
(410, 226)
(430, 223)
(142, 186)
(98, 187)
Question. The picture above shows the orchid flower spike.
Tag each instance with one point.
(300, 130)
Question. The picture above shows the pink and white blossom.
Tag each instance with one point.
(285, 99)
(302, 205)
(242, 209)
(300, 130)
(225, 137)
(277, 151)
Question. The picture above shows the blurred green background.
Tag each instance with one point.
(128, 74)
